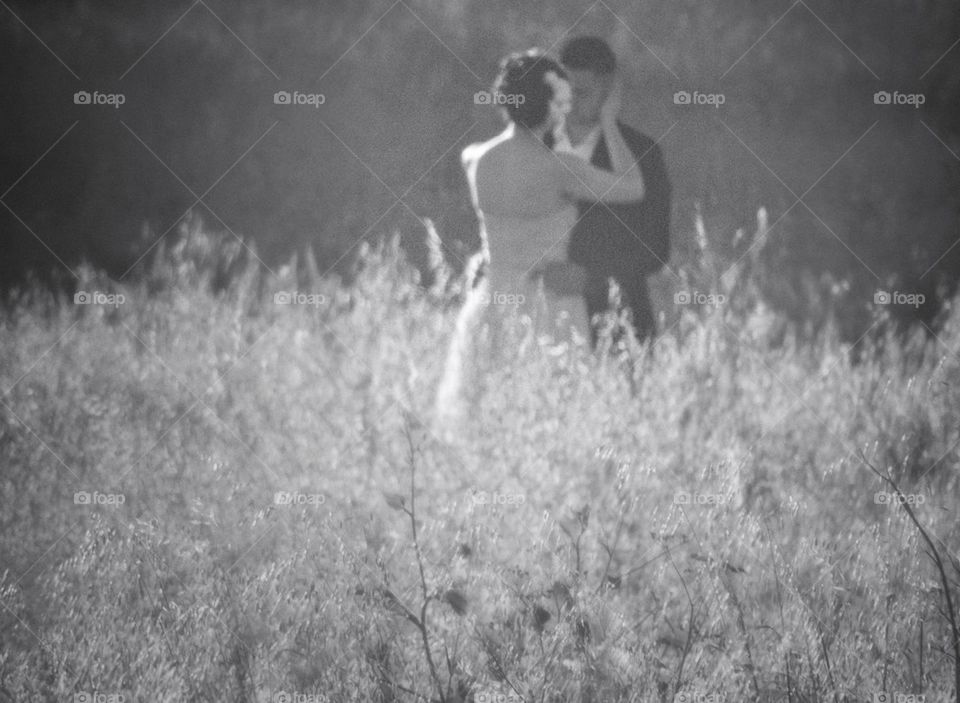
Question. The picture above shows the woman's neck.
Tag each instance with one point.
(528, 134)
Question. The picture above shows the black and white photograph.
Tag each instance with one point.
(476, 351)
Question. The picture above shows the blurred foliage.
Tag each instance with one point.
(592, 581)
(399, 80)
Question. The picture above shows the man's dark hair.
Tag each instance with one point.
(588, 53)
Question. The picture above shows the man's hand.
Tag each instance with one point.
(561, 277)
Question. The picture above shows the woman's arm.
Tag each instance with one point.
(579, 180)
(622, 185)
(621, 158)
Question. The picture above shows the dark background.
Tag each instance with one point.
(798, 78)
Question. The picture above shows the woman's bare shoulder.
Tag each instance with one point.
(471, 153)
(478, 150)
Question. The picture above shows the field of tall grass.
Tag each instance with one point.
(233, 493)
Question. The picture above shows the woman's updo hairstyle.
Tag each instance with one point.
(522, 90)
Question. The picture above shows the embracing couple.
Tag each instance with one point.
(568, 198)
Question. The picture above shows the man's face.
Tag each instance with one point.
(589, 91)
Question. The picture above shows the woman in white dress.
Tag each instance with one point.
(525, 198)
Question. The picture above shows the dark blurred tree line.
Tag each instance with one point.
(859, 192)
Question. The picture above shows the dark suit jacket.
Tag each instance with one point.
(626, 240)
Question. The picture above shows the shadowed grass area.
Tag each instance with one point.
(208, 497)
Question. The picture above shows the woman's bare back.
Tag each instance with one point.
(514, 177)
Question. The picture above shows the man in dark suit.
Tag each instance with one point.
(628, 242)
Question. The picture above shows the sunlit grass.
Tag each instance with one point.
(708, 529)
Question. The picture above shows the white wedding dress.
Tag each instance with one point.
(518, 245)
(514, 246)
